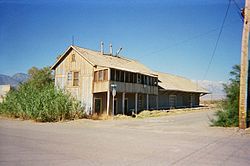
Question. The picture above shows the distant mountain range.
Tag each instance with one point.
(216, 89)
(14, 80)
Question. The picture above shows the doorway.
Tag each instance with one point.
(98, 105)
(126, 106)
(172, 101)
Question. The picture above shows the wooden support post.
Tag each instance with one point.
(136, 96)
(123, 102)
(108, 101)
(157, 102)
(147, 103)
(108, 92)
(244, 69)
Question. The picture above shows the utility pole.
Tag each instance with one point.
(244, 68)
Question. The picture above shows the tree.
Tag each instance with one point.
(40, 77)
(38, 99)
(229, 114)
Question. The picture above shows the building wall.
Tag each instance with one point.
(4, 89)
(135, 88)
(183, 99)
(141, 105)
(87, 90)
(82, 92)
(103, 97)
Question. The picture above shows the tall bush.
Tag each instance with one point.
(228, 115)
(38, 99)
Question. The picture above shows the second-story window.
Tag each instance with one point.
(76, 79)
(69, 78)
(105, 74)
(100, 75)
(73, 58)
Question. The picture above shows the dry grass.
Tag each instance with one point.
(100, 117)
(147, 114)
(158, 113)
(119, 116)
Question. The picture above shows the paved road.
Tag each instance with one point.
(184, 139)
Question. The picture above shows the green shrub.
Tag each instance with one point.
(39, 100)
(228, 114)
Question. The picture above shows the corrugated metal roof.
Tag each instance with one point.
(177, 83)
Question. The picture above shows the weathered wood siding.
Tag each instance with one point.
(82, 92)
(101, 86)
(183, 99)
(135, 88)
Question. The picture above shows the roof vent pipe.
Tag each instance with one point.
(102, 47)
(110, 49)
(118, 51)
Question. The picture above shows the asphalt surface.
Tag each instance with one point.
(183, 139)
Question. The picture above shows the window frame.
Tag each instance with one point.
(76, 81)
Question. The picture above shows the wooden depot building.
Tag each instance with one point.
(93, 77)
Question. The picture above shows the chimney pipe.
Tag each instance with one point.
(110, 49)
(102, 47)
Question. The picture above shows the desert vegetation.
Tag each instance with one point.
(228, 109)
(38, 99)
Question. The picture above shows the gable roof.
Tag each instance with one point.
(177, 83)
(96, 58)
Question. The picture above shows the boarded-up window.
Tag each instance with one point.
(76, 79)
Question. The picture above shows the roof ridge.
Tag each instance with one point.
(86, 48)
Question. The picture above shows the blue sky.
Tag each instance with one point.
(171, 36)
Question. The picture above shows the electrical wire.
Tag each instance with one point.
(217, 41)
(197, 36)
(237, 5)
(238, 10)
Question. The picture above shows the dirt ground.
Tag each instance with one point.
(178, 139)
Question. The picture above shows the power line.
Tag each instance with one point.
(236, 4)
(217, 41)
(197, 36)
(238, 10)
